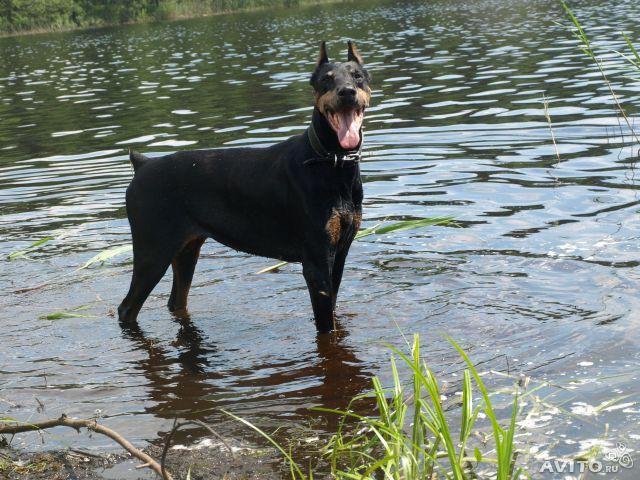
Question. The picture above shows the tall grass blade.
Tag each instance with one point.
(105, 255)
(633, 50)
(268, 437)
(381, 230)
(74, 313)
(547, 115)
(63, 315)
(29, 249)
(439, 424)
(582, 37)
(503, 440)
(579, 34)
(272, 268)
(405, 225)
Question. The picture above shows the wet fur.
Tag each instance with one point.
(264, 201)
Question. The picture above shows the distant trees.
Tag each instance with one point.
(28, 14)
(21, 15)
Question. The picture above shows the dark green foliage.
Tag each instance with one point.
(30, 14)
(24, 15)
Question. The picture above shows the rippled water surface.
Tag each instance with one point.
(540, 276)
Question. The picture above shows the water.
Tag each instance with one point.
(540, 277)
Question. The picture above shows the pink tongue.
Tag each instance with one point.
(349, 131)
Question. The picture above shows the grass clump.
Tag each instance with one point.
(414, 436)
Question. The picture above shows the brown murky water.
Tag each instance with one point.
(541, 277)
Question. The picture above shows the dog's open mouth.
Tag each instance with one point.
(346, 124)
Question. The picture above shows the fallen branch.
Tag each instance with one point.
(93, 425)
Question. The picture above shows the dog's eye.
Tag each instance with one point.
(327, 78)
(358, 76)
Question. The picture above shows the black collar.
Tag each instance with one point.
(322, 155)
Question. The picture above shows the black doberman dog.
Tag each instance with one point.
(299, 200)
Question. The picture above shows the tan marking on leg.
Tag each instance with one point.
(357, 220)
(334, 227)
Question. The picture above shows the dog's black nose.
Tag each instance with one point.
(347, 92)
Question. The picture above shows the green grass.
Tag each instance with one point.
(64, 314)
(105, 255)
(414, 435)
(31, 248)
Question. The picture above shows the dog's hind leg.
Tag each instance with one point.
(149, 266)
(184, 264)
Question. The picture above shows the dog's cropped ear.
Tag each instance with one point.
(323, 57)
(353, 55)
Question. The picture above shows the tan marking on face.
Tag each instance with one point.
(334, 227)
(364, 96)
(327, 102)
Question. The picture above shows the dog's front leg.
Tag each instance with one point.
(316, 268)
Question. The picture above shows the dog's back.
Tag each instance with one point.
(241, 197)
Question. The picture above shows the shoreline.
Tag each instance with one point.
(150, 19)
(205, 459)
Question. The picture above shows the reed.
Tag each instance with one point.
(587, 48)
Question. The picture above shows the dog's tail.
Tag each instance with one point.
(137, 159)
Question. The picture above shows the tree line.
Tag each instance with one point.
(24, 15)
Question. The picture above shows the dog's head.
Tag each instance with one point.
(342, 93)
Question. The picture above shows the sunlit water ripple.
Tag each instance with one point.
(539, 277)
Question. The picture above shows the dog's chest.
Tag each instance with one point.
(342, 224)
